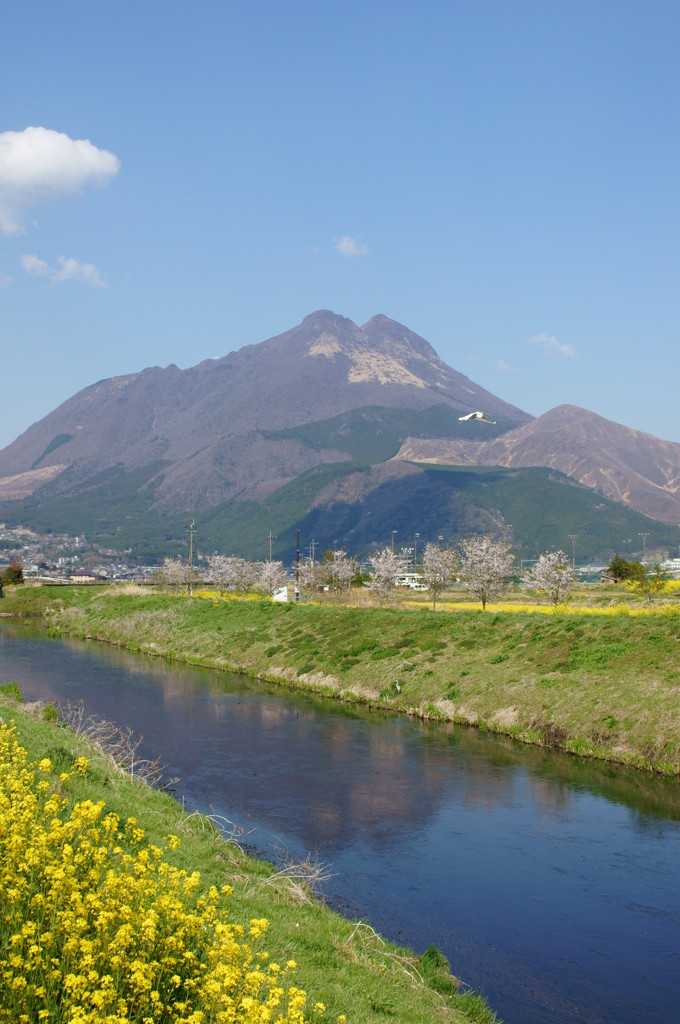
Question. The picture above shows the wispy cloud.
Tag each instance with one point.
(502, 366)
(552, 346)
(348, 246)
(5, 280)
(33, 265)
(39, 164)
(68, 270)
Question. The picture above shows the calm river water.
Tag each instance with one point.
(553, 886)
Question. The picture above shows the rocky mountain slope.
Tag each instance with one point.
(626, 465)
(226, 427)
(351, 434)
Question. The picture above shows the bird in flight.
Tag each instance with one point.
(477, 416)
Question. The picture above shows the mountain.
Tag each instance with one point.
(625, 465)
(230, 426)
(350, 434)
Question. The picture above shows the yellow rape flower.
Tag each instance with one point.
(104, 927)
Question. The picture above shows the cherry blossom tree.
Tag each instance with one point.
(340, 569)
(485, 564)
(246, 575)
(272, 577)
(438, 569)
(388, 567)
(176, 573)
(309, 575)
(228, 572)
(552, 574)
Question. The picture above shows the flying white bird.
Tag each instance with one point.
(477, 416)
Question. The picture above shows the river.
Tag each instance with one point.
(551, 884)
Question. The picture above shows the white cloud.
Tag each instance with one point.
(551, 346)
(502, 366)
(39, 164)
(5, 280)
(33, 265)
(73, 270)
(68, 270)
(348, 246)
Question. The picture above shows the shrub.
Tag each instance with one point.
(11, 690)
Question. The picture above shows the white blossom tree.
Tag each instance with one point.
(552, 574)
(340, 569)
(228, 572)
(221, 572)
(173, 573)
(308, 575)
(272, 577)
(485, 564)
(176, 573)
(246, 575)
(438, 569)
(388, 567)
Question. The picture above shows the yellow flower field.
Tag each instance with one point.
(511, 608)
(97, 926)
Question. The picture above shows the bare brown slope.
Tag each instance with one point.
(626, 465)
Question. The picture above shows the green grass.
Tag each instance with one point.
(347, 967)
(601, 686)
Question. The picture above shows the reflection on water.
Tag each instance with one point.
(552, 884)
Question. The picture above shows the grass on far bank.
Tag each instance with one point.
(600, 681)
(344, 966)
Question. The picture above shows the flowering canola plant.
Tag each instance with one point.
(96, 926)
(667, 611)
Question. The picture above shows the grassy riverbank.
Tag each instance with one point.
(599, 685)
(345, 967)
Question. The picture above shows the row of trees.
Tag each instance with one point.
(484, 565)
(225, 573)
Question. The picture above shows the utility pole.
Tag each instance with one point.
(644, 544)
(415, 549)
(297, 569)
(271, 537)
(312, 548)
(573, 537)
(393, 533)
(191, 530)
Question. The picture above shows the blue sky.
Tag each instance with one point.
(503, 178)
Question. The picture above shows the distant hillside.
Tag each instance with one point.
(347, 433)
(626, 465)
(357, 507)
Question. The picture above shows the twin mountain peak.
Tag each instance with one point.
(326, 392)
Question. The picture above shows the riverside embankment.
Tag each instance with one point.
(605, 686)
(348, 972)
